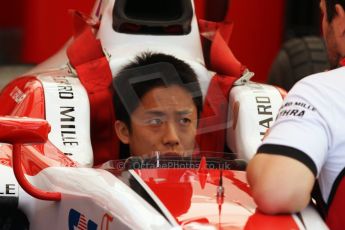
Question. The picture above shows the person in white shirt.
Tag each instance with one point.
(307, 141)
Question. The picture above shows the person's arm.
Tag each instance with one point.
(279, 184)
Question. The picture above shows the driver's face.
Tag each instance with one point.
(164, 122)
(329, 30)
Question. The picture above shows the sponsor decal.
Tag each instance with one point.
(17, 95)
(67, 125)
(291, 112)
(65, 88)
(9, 195)
(77, 220)
(302, 105)
(9, 190)
(295, 109)
(67, 115)
(264, 108)
(67, 110)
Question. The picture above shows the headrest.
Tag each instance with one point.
(152, 17)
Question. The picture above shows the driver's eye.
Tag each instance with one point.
(155, 121)
(185, 121)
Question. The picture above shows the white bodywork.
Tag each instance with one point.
(96, 194)
(123, 48)
(68, 112)
(253, 108)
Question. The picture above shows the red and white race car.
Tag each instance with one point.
(59, 166)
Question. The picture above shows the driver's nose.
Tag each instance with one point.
(170, 136)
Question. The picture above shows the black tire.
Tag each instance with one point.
(13, 219)
(298, 58)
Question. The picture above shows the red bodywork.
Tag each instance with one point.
(23, 100)
(191, 197)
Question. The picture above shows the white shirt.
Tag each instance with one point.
(310, 127)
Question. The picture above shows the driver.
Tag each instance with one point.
(157, 103)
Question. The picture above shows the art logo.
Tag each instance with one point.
(78, 221)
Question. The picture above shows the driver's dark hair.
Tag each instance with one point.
(184, 71)
(330, 8)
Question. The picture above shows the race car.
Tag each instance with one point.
(59, 155)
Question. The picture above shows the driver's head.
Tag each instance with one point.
(157, 102)
(330, 6)
(333, 29)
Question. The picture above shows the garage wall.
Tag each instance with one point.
(10, 31)
(257, 33)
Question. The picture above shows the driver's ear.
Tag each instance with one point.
(122, 131)
(340, 20)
